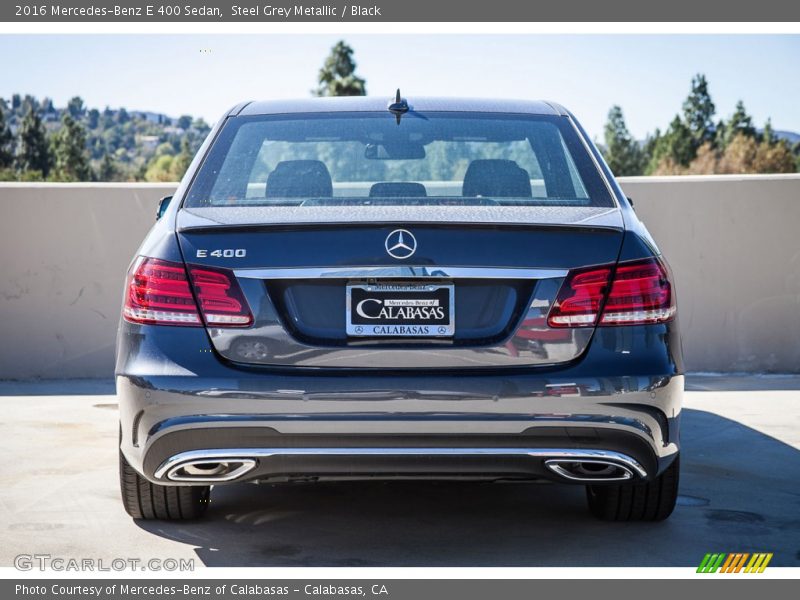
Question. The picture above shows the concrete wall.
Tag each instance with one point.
(64, 251)
(734, 246)
(732, 242)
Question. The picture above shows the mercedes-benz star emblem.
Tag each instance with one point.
(401, 244)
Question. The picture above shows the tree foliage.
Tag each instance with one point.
(672, 150)
(33, 154)
(78, 143)
(75, 107)
(108, 144)
(744, 154)
(698, 112)
(69, 151)
(337, 76)
(623, 153)
(6, 143)
(107, 171)
(694, 144)
(167, 166)
(740, 123)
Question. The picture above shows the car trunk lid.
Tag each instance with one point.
(497, 270)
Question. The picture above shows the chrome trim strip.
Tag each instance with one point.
(401, 271)
(221, 455)
(555, 466)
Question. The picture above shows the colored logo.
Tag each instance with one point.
(735, 562)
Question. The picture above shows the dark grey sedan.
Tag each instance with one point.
(426, 288)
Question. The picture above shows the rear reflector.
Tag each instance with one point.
(633, 293)
(159, 293)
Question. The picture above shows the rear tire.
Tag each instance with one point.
(651, 501)
(145, 500)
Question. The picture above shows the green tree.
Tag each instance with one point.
(182, 160)
(69, 149)
(674, 149)
(108, 118)
(75, 107)
(6, 143)
(184, 122)
(93, 118)
(796, 152)
(47, 106)
(107, 170)
(201, 126)
(649, 148)
(623, 153)
(768, 134)
(29, 103)
(337, 76)
(698, 112)
(33, 154)
(739, 123)
(160, 168)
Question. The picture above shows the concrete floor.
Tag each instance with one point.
(739, 492)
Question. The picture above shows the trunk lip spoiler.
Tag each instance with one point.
(255, 227)
(206, 220)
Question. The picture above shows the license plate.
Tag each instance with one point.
(400, 310)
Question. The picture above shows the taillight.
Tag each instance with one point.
(159, 292)
(641, 293)
(580, 298)
(632, 293)
(220, 297)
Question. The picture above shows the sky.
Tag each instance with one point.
(204, 75)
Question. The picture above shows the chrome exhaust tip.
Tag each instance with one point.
(589, 470)
(208, 471)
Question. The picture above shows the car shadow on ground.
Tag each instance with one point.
(738, 489)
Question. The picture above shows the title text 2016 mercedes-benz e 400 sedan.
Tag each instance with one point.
(424, 288)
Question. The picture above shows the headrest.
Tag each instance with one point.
(397, 189)
(300, 179)
(496, 178)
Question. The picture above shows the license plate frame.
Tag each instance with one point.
(405, 296)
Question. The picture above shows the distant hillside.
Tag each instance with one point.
(790, 136)
(123, 144)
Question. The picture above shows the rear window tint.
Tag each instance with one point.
(370, 158)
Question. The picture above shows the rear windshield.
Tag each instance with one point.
(372, 159)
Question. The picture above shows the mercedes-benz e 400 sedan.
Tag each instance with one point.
(423, 288)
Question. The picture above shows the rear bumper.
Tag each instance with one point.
(178, 401)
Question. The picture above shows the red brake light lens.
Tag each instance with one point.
(580, 298)
(640, 292)
(220, 297)
(159, 292)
